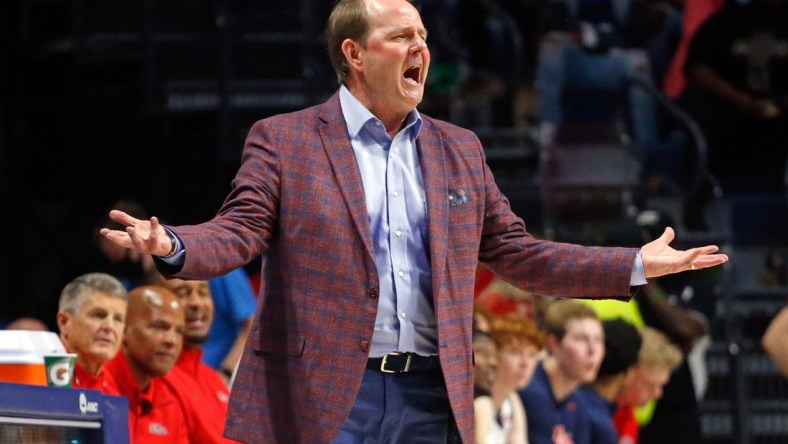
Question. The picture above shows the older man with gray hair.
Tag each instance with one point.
(90, 318)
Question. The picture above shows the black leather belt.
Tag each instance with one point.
(401, 362)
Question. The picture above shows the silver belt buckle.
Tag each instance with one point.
(385, 359)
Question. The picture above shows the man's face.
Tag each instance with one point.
(154, 342)
(95, 330)
(395, 58)
(516, 364)
(195, 297)
(485, 361)
(646, 384)
(581, 350)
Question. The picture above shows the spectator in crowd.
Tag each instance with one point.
(696, 12)
(90, 317)
(576, 345)
(152, 341)
(599, 45)
(500, 417)
(234, 304)
(26, 323)
(199, 388)
(737, 90)
(657, 359)
(485, 361)
(371, 218)
(622, 344)
(501, 297)
(775, 341)
(481, 319)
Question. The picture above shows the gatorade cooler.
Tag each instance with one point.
(22, 355)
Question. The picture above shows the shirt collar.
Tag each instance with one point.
(189, 360)
(82, 378)
(357, 115)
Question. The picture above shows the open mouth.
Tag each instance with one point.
(413, 74)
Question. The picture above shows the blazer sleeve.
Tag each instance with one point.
(244, 225)
(544, 267)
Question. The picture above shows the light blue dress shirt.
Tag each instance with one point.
(397, 208)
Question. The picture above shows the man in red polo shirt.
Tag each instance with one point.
(90, 318)
(201, 390)
(152, 341)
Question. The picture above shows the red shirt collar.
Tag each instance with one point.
(189, 360)
(127, 385)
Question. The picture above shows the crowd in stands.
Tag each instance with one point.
(631, 67)
(563, 371)
(169, 346)
(146, 345)
(567, 373)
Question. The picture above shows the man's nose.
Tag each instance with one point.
(192, 299)
(419, 44)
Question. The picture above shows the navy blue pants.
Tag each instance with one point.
(410, 408)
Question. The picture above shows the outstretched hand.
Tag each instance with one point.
(145, 236)
(659, 258)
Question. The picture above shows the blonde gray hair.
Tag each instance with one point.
(76, 291)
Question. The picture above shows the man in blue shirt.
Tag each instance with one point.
(575, 342)
(622, 344)
(234, 301)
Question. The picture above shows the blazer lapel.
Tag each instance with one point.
(431, 154)
(333, 134)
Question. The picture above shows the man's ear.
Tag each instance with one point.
(551, 343)
(62, 321)
(353, 52)
(125, 334)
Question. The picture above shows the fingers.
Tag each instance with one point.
(705, 257)
(706, 253)
(154, 223)
(153, 233)
(137, 239)
(668, 235)
(707, 261)
(119, 238)
(140, 235)
(708, 249)
(122, 218)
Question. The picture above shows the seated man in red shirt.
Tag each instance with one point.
(202, 392)
(90, 318)
(152, 341)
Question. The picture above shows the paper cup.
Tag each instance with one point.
(60, 369)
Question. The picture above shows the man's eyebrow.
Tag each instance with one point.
(422, 31)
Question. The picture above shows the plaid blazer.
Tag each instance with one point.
(298, 200)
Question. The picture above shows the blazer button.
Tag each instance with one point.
(373, 292)
(364, 346)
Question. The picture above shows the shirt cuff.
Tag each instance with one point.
(176, 259)
(638, 272)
